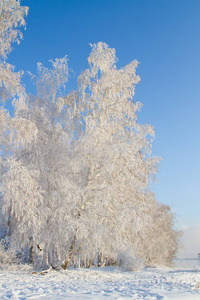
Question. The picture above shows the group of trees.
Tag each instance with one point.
(76, 168)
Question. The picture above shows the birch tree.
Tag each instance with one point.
(40, 179)
(120, 169)
(11, 17)
(76, 189)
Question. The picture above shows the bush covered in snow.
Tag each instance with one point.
(7, 255)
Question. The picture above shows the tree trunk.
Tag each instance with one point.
(31, 255)
(70, 253)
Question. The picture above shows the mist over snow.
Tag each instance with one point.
(190, 242)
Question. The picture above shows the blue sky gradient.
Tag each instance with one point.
(164, 36)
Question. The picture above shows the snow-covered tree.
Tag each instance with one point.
(116, 150)
(40, 178)
(76, 185)
(11, 17)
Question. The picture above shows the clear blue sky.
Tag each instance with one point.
(164, 36)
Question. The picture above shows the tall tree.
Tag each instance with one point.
(12, 16)
(77, 187)
(116, 151)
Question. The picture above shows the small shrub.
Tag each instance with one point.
(128, 261)
(7, 255)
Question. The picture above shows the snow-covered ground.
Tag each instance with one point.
(100, 283)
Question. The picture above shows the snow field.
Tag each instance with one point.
(101, 283)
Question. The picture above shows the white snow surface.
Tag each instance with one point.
(100, 283)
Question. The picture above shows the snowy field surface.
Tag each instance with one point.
(100, 283)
